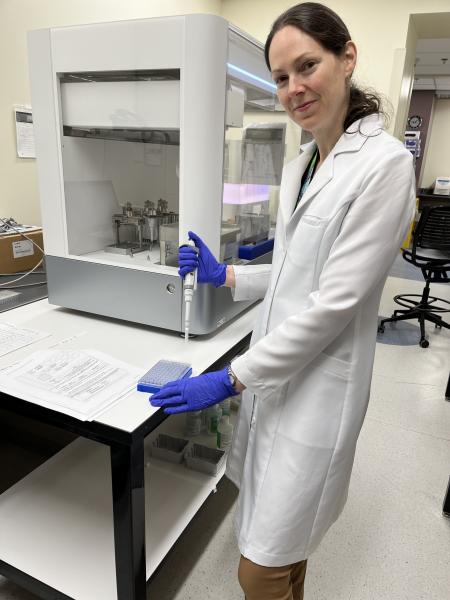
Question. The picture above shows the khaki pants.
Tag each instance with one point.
(272, 583)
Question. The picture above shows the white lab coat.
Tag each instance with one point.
(309, 367)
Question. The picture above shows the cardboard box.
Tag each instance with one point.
(19, 254)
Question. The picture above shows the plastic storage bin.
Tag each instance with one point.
(168, 448)
(203, 458)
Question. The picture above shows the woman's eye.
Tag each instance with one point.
(308, 65)
(280, 80)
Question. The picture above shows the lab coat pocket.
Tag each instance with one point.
(334, 365)
(313, 409)
(304, 244)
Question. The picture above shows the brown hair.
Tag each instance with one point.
(328, 29)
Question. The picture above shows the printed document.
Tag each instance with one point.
(79, 383)
(13, 338)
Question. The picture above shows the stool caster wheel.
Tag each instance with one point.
(424, 343)
(438, 326)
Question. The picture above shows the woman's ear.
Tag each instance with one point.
(350, 55)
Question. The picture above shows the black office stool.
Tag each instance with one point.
(432, 237)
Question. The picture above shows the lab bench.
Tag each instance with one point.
(22, 290)
(96, 519)
(428, 198)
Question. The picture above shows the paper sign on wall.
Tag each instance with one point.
(23, 118)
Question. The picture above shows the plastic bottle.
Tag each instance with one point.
(236, 402)
(193, 424)
(213, 415)
(204, 419)
(224, 433)
(225, 405)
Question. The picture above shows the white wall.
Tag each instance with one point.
(438, 155)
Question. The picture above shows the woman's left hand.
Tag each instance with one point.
(194, 393)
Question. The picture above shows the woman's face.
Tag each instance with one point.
(311, 81)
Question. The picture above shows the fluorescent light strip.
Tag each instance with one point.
(270, 85)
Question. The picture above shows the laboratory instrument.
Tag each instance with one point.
(161, 373)
(146, 129)
(140, 226)
(442, 186)
(189, 286)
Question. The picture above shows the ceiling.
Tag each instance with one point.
(432, 70)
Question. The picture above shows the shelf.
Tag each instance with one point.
(57, 523)
(164, 527)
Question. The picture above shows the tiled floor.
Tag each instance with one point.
(403, 269)
(392, 542)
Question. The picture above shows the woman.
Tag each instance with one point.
(345, 205)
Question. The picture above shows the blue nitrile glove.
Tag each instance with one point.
(194, 393)
(209, 269)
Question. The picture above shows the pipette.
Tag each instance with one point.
(190, 284)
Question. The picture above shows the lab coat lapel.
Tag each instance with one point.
(348, 142)
(291, 183)
(319, 181)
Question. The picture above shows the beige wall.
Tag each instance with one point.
(377, 32)
(18, 177)
(380, 31)
(438, 154)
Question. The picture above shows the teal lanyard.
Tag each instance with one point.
(309, 176)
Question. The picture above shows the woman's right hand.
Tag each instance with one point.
(209, 270)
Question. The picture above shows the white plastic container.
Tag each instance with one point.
(213, 415)
(193, 424)
(204, 419)
(224, 433)
(225, 405)
(236, 402)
